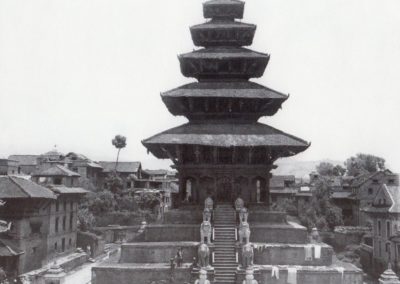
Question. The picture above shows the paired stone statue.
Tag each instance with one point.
(204, 256)
(205, 232)
(244, 233)
(249, 277)
(209, 203)
(247, 255)
(239, 204)
(243, 215)
(202, 278)
(207, 215)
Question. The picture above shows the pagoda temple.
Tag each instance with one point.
(223, 151)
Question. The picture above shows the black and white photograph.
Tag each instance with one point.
(199, 142)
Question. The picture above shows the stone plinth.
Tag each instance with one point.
(157, 252)
(290, 233)
(290, 254)
(172, 233)
(308, 275)
(130, 273)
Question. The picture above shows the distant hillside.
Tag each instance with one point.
(299, 168)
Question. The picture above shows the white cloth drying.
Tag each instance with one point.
(308, 252)
(341, 271)
(275, 272)
(317, 251)
(292, 275)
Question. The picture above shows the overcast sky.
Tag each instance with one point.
(74, 73)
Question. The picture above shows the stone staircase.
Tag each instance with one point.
(225, 263)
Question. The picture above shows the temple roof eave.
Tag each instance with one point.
(225, 135)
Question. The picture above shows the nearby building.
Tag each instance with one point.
(27, 164)
(85, 167)
(385, 215)
(283, 188)
(56, 175)
(9, 167)
(127, 171)
(27, 204)
(365, 188)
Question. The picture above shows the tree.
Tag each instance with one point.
(364, 163)
(321, 212)
(114, 183)
(328, 169)
(86, 220)
(102, 202)
(119, 142)
(325, 169)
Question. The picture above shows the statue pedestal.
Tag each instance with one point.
(210, 273)
(241, 273)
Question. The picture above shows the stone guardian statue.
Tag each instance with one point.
(205, 232)
(204, 256)
(244, 233)
(202, 278)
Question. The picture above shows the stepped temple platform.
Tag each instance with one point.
(146, 260)
(220, 227)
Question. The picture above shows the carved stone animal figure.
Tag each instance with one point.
(205, 232)
(244, 233)
(203, 255)
(247, 255)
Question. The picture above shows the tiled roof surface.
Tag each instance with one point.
(279, 181)
(56, 170)
(226, 135)
(24, 160)
(123, 167)
(67, 190)
(225, 89)
(17, 187)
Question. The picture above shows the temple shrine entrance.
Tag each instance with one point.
(224, 190)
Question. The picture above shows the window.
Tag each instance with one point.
(65, 205)
(57, 181)
(379, 228)
(64, 222)
(34, 249)
(55, 246)
(388, 232)
(70, 242)
(71, 205)
(71, 219)
(57, 206)
(56, 225)
(63, 244)
(391, 181)
(375, 181)
(370, 191)
(380, 249)
(128, 184)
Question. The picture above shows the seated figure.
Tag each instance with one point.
(239, 204)
(203, 255)
(244, 233)
(249, 277)
(247, 255)
(205, 232)
(207, 215)
(209, 203)
(202, 278)
(243, 215)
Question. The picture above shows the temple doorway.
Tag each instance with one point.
(224, 190)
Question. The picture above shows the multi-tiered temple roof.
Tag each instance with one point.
(223, 107)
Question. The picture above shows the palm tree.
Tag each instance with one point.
(119, 142)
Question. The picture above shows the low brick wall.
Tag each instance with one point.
(344, 236)
(194, 216)
(140, 274)
(86, 239)
(112, 234)
(289, 254)
(258, 216)
(290, 233)
(157, 252)
(172, 233)
(307, 275)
